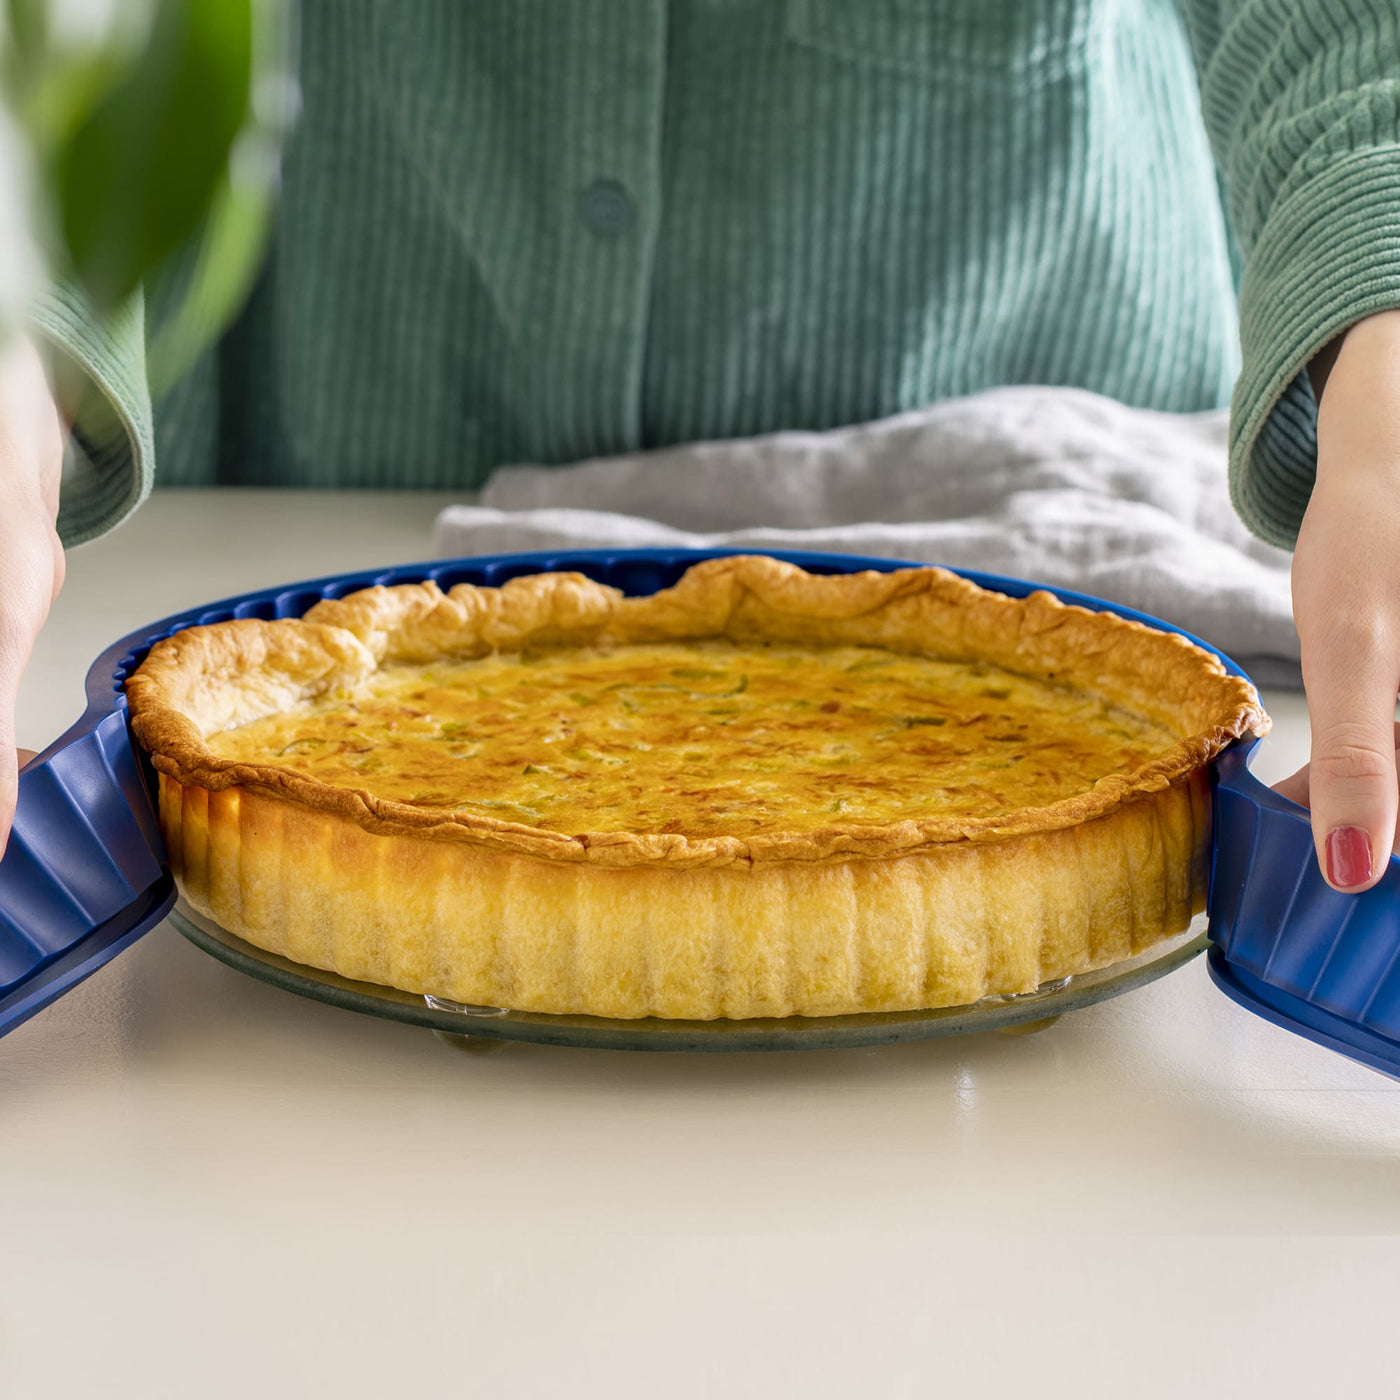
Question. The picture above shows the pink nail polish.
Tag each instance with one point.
(1348, 857)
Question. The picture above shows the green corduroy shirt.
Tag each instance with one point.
(544, 230)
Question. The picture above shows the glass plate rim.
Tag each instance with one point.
(653, 1034)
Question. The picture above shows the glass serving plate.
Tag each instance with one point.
(483, 1027)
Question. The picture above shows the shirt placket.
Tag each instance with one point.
(591, 282)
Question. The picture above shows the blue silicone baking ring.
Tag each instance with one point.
(85, 873)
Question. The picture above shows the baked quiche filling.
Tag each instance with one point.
(708, 738)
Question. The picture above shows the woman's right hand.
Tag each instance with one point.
(31, 557)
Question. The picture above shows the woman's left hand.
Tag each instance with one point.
(1346, 601)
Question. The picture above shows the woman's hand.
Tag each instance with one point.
(1346, 601)
(31, 558)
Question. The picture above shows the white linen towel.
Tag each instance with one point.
(1056, 485)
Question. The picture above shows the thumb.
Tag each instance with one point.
(9, 769)
(12, 758)
(1352, 776)
(9, 790)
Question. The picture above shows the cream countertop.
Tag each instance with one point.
(219, 1189)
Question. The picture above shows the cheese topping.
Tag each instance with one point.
(705, 738)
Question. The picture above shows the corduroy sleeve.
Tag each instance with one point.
(100, 379)
(1302, 102)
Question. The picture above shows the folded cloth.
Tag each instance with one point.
(1057, 485)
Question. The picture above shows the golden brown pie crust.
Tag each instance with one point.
(917, 913)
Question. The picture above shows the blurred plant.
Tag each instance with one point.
(152, 130)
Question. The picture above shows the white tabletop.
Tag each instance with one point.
(220, 1189)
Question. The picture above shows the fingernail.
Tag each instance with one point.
(1348, 857)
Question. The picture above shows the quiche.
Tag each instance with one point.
(758, 793)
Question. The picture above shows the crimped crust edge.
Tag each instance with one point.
(206, 678)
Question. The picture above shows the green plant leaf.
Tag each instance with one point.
(226, 256)
(138, 174)
(55, 72)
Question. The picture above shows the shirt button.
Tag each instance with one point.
(607, 208)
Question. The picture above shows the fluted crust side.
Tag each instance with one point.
(942, 927)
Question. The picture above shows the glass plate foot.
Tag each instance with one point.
(1028, 1027)
(471, 1044)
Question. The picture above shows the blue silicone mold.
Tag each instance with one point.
(85, 873)
(1284, 943)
